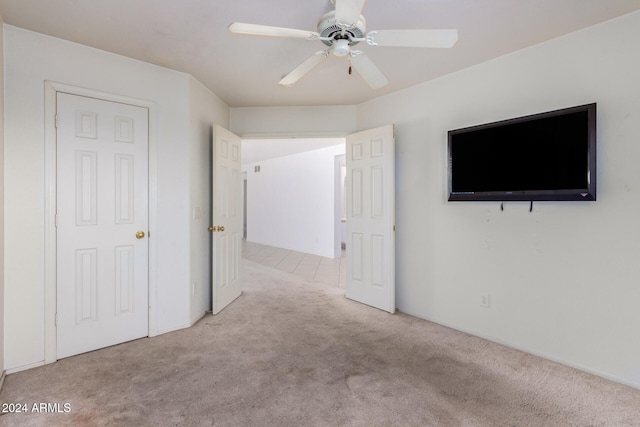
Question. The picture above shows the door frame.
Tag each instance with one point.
(51, 90)
(340, 201)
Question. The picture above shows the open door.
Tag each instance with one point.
(227, 224)
(370, 248)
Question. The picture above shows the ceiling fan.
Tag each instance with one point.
(343, 28)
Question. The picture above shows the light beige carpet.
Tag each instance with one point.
(295, 353)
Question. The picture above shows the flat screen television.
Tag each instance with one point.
(546, 156)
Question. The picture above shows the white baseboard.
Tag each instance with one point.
(24, 367)
(199, 318)
(533, 352)
(176, 328)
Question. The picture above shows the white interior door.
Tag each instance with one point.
(102, 221)
(227, 218)
(370, 251)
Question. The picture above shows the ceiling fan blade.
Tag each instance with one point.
(368, 70)
(265, 30)
(303, 69)
(413, 38)
(348, 11)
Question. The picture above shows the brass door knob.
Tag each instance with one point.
(221, 228)
(211, 229)
(139, 234)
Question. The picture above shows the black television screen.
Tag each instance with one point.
(546, 156)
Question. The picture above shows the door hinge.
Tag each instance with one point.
(55, 320)
(56, 221)
(56, 121)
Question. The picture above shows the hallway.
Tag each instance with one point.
(313, 268)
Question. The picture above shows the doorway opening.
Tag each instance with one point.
(292, 198)
(370, 207)
(294, 204)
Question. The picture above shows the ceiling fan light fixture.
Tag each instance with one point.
(341, 47)
(341, 30)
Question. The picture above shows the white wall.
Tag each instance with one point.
(563, 279)
(257, 150)
(298, 122)
(1, 205)
(30, 59)
(291, 201)
(206, 110)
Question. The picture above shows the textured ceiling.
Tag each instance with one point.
(191, 36)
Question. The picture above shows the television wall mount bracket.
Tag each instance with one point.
(530, 206)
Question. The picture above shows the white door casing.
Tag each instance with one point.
(370, 246)
(227, 218)
(102, 203)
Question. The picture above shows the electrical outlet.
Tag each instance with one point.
(484, 300)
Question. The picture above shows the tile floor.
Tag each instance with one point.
(314, 268)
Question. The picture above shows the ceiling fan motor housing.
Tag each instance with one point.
(328, 27)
